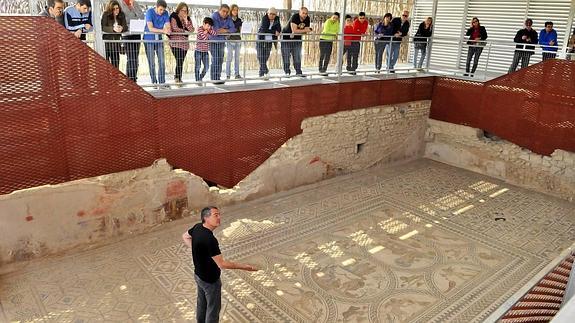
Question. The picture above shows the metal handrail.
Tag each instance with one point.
(250, 39)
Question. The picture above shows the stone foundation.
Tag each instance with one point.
(90, 212)
(468, 148)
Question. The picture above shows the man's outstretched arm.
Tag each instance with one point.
(224, 264)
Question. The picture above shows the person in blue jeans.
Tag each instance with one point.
(548, 41)
(208, 262)
(400, 28)
(157, 23)
(234, 44)
(202, 52)
(421, 39)
(383, 32)
(223, 24)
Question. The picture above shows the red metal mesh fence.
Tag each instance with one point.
(65, 114)
(533, 108)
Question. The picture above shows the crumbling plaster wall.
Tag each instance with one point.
(89, 212)
(468, 148)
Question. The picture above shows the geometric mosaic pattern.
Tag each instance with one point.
(419, 242)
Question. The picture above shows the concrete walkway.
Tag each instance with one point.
(420, 242)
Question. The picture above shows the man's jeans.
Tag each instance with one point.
(209, 301)
(292, 49)
(217, 51)
(156, 49)
(394, 54)
(263, 50)
(522, 56)
(233, 53)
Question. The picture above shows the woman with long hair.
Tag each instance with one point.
(421, 39)
(234, 44)
(113, 24)
(180, 24)
(477, 34)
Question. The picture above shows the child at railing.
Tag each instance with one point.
(347, 44)
(201, 54)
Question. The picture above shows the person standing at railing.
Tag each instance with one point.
(328, 35)
(476, 34)
(360, 25)
(401, 29)
(383, 32)
(421, 39)
(548, 41)
(271, 27)
(234, 45)
(523, 52)
(571, 47)
(223, 24)
(113, 24)
(348, 33)
(180, 24)
(298, 24)
(202, 52)
(78, 18)
(54, 9)
(157, 23)
(132, 11)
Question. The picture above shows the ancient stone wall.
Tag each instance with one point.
(90, 212)
(469, 148)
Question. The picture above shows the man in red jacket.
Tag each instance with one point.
(360, 25)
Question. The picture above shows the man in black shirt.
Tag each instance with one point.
(208, 262)
(298, 24)
(523, 52)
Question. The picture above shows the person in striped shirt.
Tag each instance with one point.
(201, 54)
(181, 24)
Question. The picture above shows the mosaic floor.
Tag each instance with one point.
(421, 242)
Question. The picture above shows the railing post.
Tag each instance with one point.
(339, 61)
(430, 40)
(98, 41)
(428, 53)
(487, 62)
(33, 7)
(244, 62)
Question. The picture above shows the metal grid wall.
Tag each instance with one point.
(66, 114)
(224, 137)
(533, 108)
